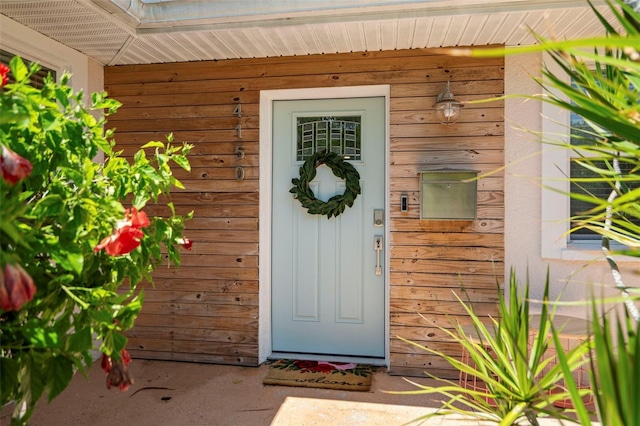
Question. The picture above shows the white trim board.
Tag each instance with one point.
(267, 97)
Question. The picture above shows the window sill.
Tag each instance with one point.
(590, 250)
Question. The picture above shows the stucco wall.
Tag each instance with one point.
(572, 280)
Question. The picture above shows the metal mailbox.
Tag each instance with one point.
(448, 194)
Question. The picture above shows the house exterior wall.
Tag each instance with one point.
(207, 310)
(211, 303)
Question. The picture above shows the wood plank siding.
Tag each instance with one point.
(207, 310)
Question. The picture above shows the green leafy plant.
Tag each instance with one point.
(608, 99)
(614, 368)
(605, 90)
(521, 380)
(615, 357)
(606, 80)
(67, 241)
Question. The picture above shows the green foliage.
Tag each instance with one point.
(521, 381)
(606, 76)
(51, 223)
(336, 204)
(615, 368)
(606, 94)
(609, 100)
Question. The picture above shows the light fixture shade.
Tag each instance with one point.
(447, 108)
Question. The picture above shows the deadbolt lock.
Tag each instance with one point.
(378, 218)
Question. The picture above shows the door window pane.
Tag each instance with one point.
(339, 134)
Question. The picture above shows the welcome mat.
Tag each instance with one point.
(320, 374)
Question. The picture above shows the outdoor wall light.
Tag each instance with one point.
(447, 108)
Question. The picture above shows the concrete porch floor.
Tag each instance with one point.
(179, 393)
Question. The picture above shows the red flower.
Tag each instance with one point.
(136, 219)
(122, 241)
(4, 74)
(16, 287)
(323, 367)
(127, 236)
(105, 363)
(315, 366)
(305, 365)
(185, 242)
(117, 370)
(14, 167)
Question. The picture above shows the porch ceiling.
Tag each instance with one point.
(116, 32)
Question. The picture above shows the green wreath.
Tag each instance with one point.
(336, 204)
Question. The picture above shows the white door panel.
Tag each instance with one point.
(326, 297)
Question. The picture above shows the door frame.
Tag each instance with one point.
(267, 97)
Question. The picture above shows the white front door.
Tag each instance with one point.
(327, 296)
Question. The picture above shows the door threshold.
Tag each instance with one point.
(329, 358)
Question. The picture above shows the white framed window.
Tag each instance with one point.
(557, 207)
(33, 46)
(37, 80)
(86, 75)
